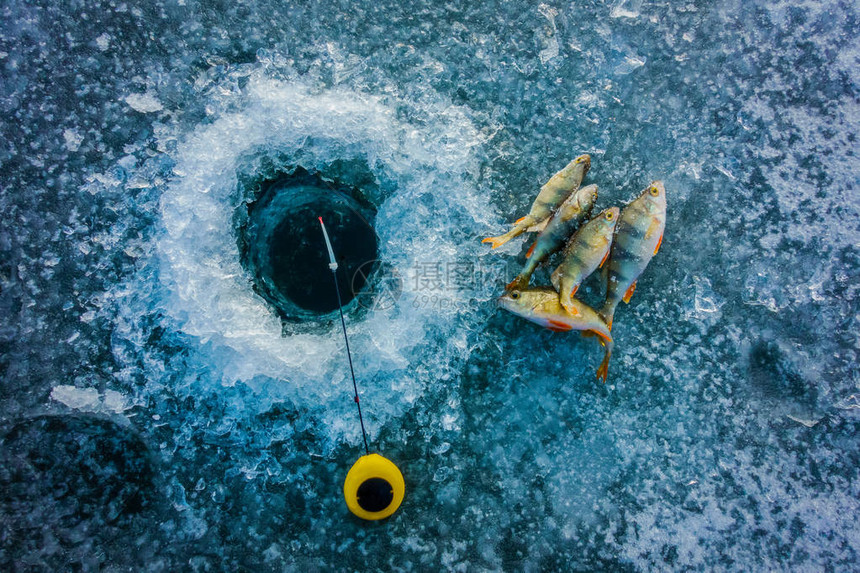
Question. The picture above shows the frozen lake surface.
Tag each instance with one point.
(157, 413)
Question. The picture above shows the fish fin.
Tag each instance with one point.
(605, 258)
(604, 339)
(531, 250)
(629, 293)
(520, 220)
(588, 334)
(557, 326)
(519, 283)
(567, 304)
(573, 291)
(571, 310)
(659, 242)
(494, 241)
(565, 300)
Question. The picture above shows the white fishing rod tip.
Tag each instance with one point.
(332, 261)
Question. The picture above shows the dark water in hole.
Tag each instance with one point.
(287, 253)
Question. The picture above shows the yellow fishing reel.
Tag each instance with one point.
(374, 487)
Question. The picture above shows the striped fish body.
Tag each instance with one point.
(552, 194)
(559, 187)
(561, 225)
(637, 239)
(587, 250)
(541, 306)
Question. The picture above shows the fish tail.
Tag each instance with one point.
(497, 242)
(603, 370)
(607, 342)
(517, 230)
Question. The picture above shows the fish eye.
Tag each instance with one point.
(609, 216)
(515, 295)
(654, 191)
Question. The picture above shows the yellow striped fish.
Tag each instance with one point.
(638, 236)
(541, 306)
(572, 212)
(551, 195)
(586, 251)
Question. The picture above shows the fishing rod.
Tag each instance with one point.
(374, 486)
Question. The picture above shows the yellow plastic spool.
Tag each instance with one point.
(374, 487)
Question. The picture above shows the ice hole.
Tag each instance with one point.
(285, 252)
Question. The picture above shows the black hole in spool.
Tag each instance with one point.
(375, 494)
(285, 250)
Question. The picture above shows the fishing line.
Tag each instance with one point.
(333, 266)
(374, 486)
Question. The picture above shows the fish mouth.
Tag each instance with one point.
(585, 161)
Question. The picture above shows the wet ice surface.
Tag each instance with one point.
(138, 361)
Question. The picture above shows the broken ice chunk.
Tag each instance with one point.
(89, 399)
(144, 103)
